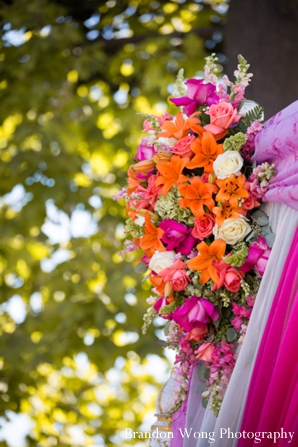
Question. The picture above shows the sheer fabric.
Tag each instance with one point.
(283, 221)
(277, 143)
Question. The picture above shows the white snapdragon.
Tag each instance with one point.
(166, 141)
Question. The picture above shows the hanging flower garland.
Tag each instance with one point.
(192, 202)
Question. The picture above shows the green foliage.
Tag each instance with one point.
(70, 92)
(257, 113)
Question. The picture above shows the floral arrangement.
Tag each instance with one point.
(192, 204)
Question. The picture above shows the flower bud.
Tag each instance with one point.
(168, 289)
(161, 156)
(143, 211)
(211, 178)
(143, 166)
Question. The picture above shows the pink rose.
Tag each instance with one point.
(197, 333)
(230, 277)
(182, 147)
(222, 116)
(258, 256)
(176, 276)
(250, 203)
(194, 312)
(198, 93)
(205, 352)
(233, 279)
(177, 236)
(203, 227)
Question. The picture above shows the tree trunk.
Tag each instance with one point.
(265, 33)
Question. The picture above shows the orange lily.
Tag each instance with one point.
(158, 283)
(193, 123)
(206, 150)
(196, 195)
(143, 166)
(231, 189)
(133, 181)
(151, 241)
(180, 127)
(171, 173)
(177, 129)
(226, 211)
(220, 135)
(131, 212)
(207, 255)
(161, 156)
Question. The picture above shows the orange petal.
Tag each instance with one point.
(204, 276)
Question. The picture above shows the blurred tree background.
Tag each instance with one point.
(74, 75)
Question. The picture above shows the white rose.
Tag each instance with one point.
(232, 230)
(228, 163)
(161, 260)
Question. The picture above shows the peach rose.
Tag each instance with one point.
(197, 333)
(222, 116)
(205, 352)
(182, 147)
(176, 276)
(229, 276)
(250, 203)
(203, 227)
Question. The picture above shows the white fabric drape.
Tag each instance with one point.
(283, 222)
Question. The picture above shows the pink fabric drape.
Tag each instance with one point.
(278, 143)
(272, 401)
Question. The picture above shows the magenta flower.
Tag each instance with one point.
(195, 312)
(177, 236)
(258, 256)
(145, 150)
(198, 93)
(160, 303)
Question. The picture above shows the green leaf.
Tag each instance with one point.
(141, 268)
(201, 371)
(255, 114)
(162, 343)
(259, 213)
(231, 334)
(262, 221)
(166, 328)
(201, 388)
(204, 402)
(270, 239)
